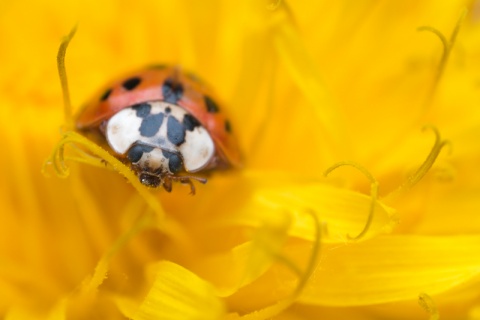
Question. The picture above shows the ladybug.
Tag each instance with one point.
(164, 123)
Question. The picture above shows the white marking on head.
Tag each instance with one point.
(122, 130)
(197, 150)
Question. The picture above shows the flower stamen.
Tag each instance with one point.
(57, 159)
(426, 165)
(98, 156)
(427, 303)
(312, 263)
(447, 48)
(373, 194)
(62, 73)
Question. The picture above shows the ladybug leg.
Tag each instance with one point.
(167, 184)
(188, 180)
(192, 186)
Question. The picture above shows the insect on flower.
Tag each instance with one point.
(163, 123)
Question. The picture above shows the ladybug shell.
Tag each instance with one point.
(165, 83)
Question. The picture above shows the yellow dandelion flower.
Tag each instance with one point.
(359, 125)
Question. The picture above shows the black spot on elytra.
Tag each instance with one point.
(105, 95)
(172, 91)
(142, 109)
(228, 127)
(212, 107)
(190, 122)
(175, 131)
(131, 83)
(174, 161)
(136, 152)
(151, 124)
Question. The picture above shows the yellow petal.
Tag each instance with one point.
(438, 216)
(393, 268)
(177, 293)
(344, 212)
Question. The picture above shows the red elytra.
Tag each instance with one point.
(182, 89)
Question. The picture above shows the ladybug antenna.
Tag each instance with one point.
(62, 73)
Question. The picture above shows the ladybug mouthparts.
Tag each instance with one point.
(153, 180)
(150, 180)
